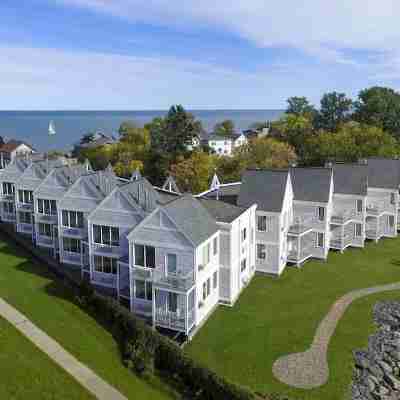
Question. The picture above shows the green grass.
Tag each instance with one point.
(27, 373)
(277, 316)
(30, 289)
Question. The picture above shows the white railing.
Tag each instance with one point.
(302, 224)
(73, 232)
(102, 278)
(106, 250)
(75, 258)
(45, 241)
(297, 255)
(341, 242)
(52, 219)
(179, 280)
(343, 216)
(142, 273)
(25, 228)
(24, 206)
(9, 217)
(6, 196)
(169, 319)
(376, 207)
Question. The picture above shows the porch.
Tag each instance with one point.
(341, 236)
(300, 247)
(174, 311)
(374, 227)
(342, 217)
(301, 225)
(177, 280)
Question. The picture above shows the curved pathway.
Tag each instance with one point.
(85, 376)
(310, 369)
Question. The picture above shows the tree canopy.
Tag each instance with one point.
(225, 128)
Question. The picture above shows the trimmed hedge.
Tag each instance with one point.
(144, 350)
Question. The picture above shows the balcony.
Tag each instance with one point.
(340, 243)
(142, 273)
(378, 207)
(106, 250)
(180, 280)
(77, 233)
(301, 225)
(299, 255)
(342, 217)
(170, 320)
(46, 241)
(28, 207)
(7, 196)
(103, 279)
(8, 217)
(142, 307)
(25, 228)
(46, 218)
(71, 258)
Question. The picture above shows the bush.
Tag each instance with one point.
(144, 350)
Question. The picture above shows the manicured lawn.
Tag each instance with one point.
(48, 304)
(27, 373)
(274, 317)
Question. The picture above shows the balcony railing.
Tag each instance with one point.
(142, 273)
(376, 207)
(8, 217)
(106, 250)
(49, 219)
(6, 196)
(343, 216)
(46, 241)
(25, 228)
(301, 225)
(297, 255)
(24, 206)
(73, 258)
(101, 278)
(180, 280)
(78, 233)
(169, 319)
(341, 242)
(143, 307)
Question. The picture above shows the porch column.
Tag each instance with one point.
(298, 250)
(187, 313)
(153, 311)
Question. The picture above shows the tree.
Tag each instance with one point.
(352, 142)
(300, 106)
(125, 169)
(87, 138)
(225, 128)
(335, 110)
(379, 106)
(193, 174)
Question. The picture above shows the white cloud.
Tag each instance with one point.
(305, 24)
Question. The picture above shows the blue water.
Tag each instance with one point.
(32, 126)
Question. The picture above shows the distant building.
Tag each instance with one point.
(225, 145)
(13, 148)
(98, 139)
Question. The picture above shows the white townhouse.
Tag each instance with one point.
(272, 191)
(348, 220)
(47, 197)
(74, 208)
(225, 145)
(174, 264)
(9, 176)
(236, 247)
(308, 235)
(12, 150)
(382, 197)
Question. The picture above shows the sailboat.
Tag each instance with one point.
(52, 129)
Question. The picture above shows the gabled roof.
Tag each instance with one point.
(170, 185)
(32, 176)
(221, 211)
(383, 173)
(12, 145)
(311, 184)
(192, 218)
(264, 187)
(14, 170)
(350, 179)
(227, 192)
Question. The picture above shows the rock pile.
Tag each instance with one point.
(377, 372)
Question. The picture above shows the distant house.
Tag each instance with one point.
(11, 149)
(96, 140)
(225, 145)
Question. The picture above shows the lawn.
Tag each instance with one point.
(28, 287)
(277, 316)
(27, 373)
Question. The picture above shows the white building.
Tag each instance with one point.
(225, 146)
(12, 149)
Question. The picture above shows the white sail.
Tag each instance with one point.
(52, 129)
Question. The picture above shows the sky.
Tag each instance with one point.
(207, 54)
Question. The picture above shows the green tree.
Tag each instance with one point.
(193, 174)
(379, 106)
(300, 106)
(335, 110)
(225, 128)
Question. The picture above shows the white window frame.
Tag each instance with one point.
(215, 279)
(8, 207)
(68, 247)
(101, 270)
(267, 220)
(148, 290)
(358, 202)
(356, 226)
(23, 219)
(111, 243)
(69, 216)
(144, 256)
(8, 188)
(52, 207)
(319, 209)
(25, 196)
(206, 253)
(44, 234)
(243, 265)
(265, 251)
(167, 264)
(317, 244)
(215, 246)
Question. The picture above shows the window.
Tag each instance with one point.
(244, 234)
(8, 208)
(171, 263)
(25, 217)
(45, 230)
(106, 235)
(391, 221)
(320, 239)
(261, 251)
(47, 207)
(25, 196)
(71, 245)
(105, 265)
(208, 286)
(8, 188)
(206, 253)
(262, 223)
(321, 213)
(243, 265)
(392, 198)
(359, 206)
(172, 302)
(72, 219)
(215, 246)
(143, 290)
(204, 291)
(145, 256)
(215, 279)
(358, 230)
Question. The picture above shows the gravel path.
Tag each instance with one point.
(310, 369)
(85, 376)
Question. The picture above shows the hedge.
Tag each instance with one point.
(144, 350)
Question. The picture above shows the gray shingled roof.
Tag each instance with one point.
(383, 173)
(192, 218)
(264, 187)
(226, 192)
(311, 184)
(221, 211)
(14, 170)
(350, 179)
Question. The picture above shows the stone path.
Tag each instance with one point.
(85, 376)
(310, 369)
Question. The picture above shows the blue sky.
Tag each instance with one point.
(135, 54)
